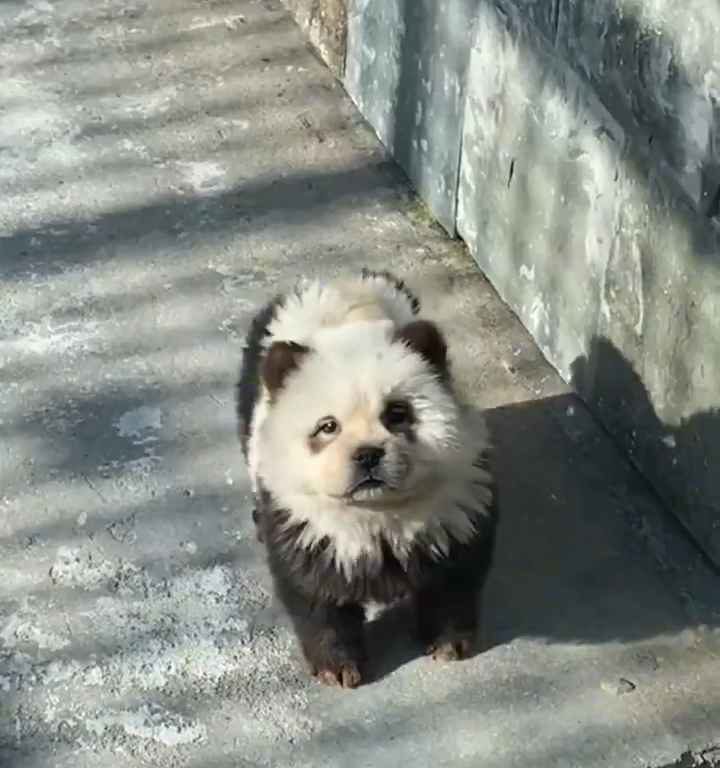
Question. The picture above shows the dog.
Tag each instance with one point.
(369, 485)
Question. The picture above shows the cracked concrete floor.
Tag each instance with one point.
(164, 167)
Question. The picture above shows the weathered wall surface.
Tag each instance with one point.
(405, 69)
(325, 23)
(575, 146)
(588, 194)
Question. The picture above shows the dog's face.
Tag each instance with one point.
(362, 417)
(365, 451)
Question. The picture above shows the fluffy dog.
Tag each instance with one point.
(369, 484)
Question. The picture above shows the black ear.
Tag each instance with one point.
(425, 338)
(282, 357)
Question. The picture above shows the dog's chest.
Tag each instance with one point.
(368, 540)
(377, 538)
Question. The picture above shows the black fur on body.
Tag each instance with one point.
(326, 605)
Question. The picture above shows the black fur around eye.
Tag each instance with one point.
(396, 414)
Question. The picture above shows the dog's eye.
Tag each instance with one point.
(396, 414)
(327, 426)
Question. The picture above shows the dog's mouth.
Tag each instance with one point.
(367, 486)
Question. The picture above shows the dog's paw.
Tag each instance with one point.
(345, 675)
(453, 649)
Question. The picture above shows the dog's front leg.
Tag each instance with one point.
(448, 615)
(331, 637)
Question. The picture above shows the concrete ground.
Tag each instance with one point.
(165, 167)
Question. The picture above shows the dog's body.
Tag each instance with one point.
(368, 482)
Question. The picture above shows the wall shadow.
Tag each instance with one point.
(679, 460)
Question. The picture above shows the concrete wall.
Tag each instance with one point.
(602, 240)
(575, 146)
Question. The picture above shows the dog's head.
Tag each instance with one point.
(363, 416)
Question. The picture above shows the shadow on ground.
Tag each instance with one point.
(689, 450)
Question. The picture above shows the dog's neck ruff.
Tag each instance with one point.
(349, 533)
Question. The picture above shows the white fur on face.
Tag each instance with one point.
(315, 305)
(350, 375)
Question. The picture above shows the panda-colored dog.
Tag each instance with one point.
(370, 485)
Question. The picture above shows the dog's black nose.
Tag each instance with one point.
(368, 456)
